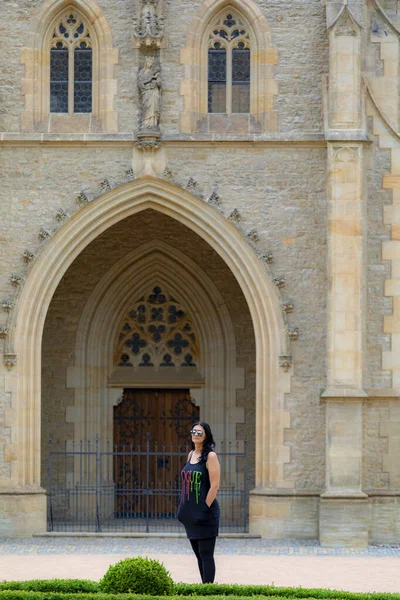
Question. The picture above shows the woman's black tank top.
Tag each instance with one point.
(199, 520)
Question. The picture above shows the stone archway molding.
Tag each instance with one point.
(57, 256)
(153, 263)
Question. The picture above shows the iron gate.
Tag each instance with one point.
(94, 486)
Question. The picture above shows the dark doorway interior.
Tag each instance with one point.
(151, 430)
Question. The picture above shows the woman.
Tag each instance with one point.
(198, 508)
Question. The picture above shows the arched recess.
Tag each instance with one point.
(36, 58)
(154, 263)
(64, 247)
(194, 57)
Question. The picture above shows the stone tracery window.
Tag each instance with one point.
(229, 59)
(71, 66)
(156, 332)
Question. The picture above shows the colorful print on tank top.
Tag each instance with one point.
(191, 482)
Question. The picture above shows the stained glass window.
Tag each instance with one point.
(83, 79)
(217, 80)
(71, 67)
(229, 60)
(59, 80)
(241, 80)
(157, 331)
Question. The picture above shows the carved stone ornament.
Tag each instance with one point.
(44, 234)
(285, 361)
(129, 174)
(61, 215)
(214, 199)
(168, 175)
(4, 331)
(16, 280)
(148, 28)
(28, 256)
(148, 141)
(82, 199)
(253, 235)
(279, 282)
(7, 305)
(105, 186)
(268, 258)
(288, 307)
(235, 216)
(293, 334)
(149, 83)
(10, 360)
(191, 185)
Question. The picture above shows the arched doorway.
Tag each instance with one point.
(248, 271)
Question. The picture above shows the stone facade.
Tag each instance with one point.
(278, 227)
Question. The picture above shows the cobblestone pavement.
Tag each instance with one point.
(288, 563)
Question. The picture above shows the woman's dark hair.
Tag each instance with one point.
(208, 444)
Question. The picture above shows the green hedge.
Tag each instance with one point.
(220, 589)
(24, 595)
(71, 586)
(78, 589)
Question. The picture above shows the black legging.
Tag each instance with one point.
(204, 551)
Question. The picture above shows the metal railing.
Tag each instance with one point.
(95, 486)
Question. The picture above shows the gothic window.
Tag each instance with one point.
(71, 67)
(156, 332)
(229, 66)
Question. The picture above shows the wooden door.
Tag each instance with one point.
(151, 428)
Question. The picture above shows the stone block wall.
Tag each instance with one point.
(298, 34)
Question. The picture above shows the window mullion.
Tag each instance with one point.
(71, 81)
(229, 80)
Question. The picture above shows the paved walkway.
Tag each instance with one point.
(238, 561)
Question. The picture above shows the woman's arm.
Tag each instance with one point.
(214, 472)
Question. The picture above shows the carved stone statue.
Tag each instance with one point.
(149, 81)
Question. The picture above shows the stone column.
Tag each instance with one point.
(343, 506)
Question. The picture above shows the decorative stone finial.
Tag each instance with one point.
(82, 199)
(288, 307)
(253, 235)
(129, 174)
(28, 256)
(268, 258)
(279, 282)
(168, 175)
(148, 28)
(10, 360)
(61, 215)
(4, 331)
(285, 361)
(7, 305)
(293, 334)
(235, 216)
(16, 280)
(214, 199)
(105, 186)
(44, 234)
(191, 185)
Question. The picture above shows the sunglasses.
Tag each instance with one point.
(196, 432)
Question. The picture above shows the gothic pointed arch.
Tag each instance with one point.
(212, 375)
(258, 289)
(53, 29)
(239, 26)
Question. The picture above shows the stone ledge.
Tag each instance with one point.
(356, 495)
(131, 139)
(352, 394)
(284, 493)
